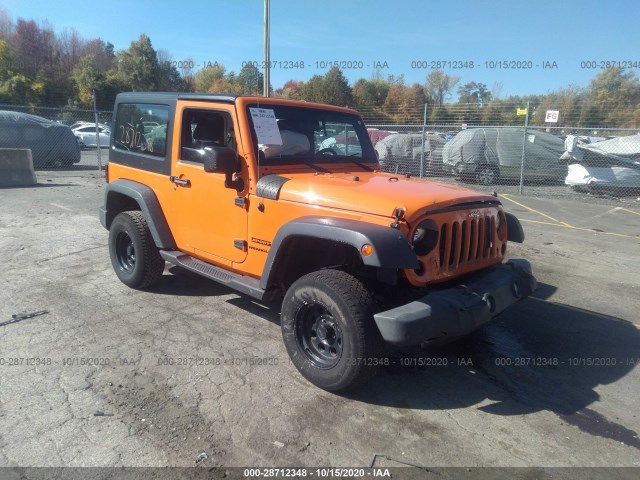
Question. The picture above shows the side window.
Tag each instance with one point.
(205, 128)
(132, 132)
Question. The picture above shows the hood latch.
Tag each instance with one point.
(398, 215)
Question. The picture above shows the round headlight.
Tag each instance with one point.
(425, 237)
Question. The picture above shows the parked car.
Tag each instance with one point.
(80, 123)
(148, 126)
(612, 165)
(376, 135)
(401, 153)
(51, 143)
(615, 179)
(86, 135)
(604, 151)
(485, 155)
(359, 257)
(450, 135)
(341, 145)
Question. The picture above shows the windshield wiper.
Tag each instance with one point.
(317, 168)
(361, 165)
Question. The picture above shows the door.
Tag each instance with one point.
(206, 216)
(542, 163)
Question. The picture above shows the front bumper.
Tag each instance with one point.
(102, 213)
(459, 310)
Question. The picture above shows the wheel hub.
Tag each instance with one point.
(131, 253)
(125, 252)
(319, 335)
(322, 332)
(325, 331)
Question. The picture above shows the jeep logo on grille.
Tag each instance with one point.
(474, 213)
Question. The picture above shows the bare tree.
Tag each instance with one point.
(439, 86)
(6, 24)
(496, 90)
(71, 46)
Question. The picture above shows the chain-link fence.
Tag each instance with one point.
(65, 115)
(56, 137)
(513, 149)
(564, 151)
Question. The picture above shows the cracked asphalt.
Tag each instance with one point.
(116, 377)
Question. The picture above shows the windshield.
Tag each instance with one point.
(298, 135)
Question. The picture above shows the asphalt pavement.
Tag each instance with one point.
(110, 376)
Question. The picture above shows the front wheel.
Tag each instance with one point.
(134, 255)
(328, 330)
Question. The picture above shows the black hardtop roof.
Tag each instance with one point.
(173, 96)
(170, 98)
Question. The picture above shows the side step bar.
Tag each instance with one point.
(242, 283)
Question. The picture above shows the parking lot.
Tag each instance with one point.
(110, 376)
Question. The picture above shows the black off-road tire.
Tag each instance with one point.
(329, 331)
(134, 255)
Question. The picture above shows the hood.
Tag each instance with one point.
(375, 193)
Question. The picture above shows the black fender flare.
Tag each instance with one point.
(515, 233)
(391, 249)
(149, 205)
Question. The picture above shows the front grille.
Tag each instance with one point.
(467, 242)
(457, 242)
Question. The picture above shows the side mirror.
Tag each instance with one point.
(223, 160)
(220, 160)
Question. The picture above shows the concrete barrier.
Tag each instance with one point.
(16, 167)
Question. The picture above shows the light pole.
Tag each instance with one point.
(267, 65)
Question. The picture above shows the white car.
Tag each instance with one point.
(148, 126)
(585, 178)
(86, 135)
(612, 165)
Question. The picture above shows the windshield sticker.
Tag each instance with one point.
(266, 126)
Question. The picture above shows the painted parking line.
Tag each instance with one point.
(506, 197)
(629, 210)
(571, 227)
(61, 206)
(560, 223)
(608, 212)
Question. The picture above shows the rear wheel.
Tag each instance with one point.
(134, 255)
(328, 330)
(486, 175)
(60, 163)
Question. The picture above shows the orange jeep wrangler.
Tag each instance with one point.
(282, 198)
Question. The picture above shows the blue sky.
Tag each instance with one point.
(397, 32)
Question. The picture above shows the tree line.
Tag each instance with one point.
(40, 67)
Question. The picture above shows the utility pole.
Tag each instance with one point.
(267, 66)
(524, 145)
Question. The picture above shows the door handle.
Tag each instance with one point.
(179, 181)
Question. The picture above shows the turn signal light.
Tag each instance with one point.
(367, 249)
